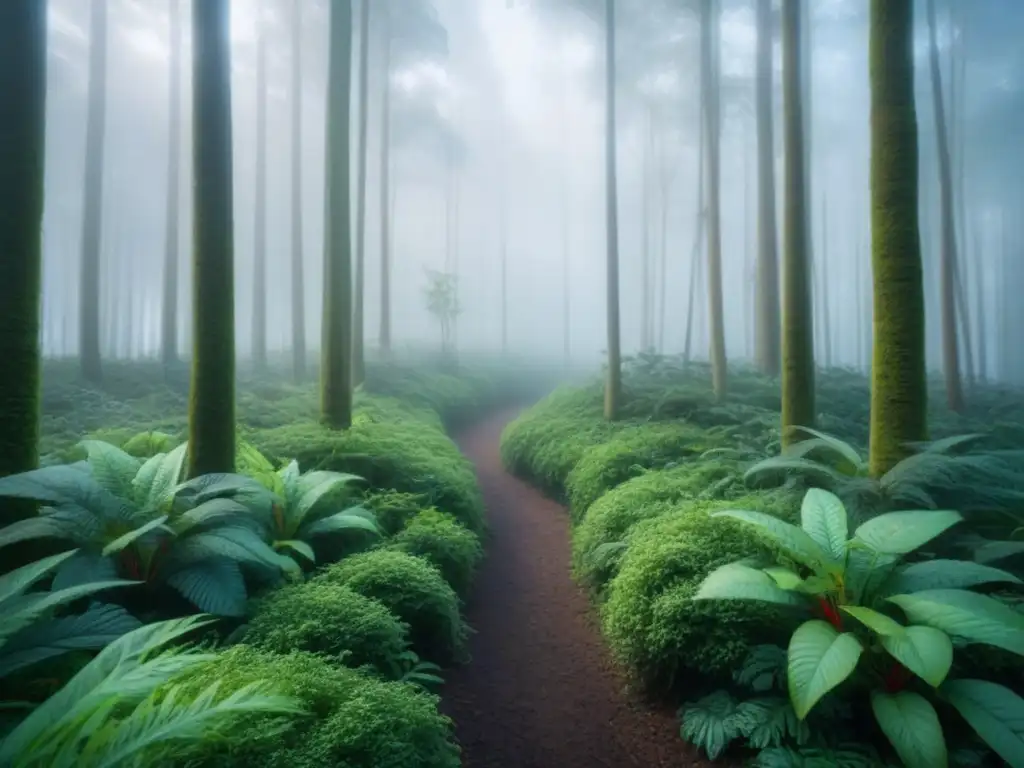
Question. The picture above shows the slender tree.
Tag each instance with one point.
(358, 334)
(503, 223)
(798, 408)
(211, 427)
(169, 309)
(90, 357)
(386, 201)
(710, 95)
(613, 383)
(826, 307)
(298, 264)
(768, 322)
(948, 258)
(336, 344)
(646, 315)
(259, 279)
(22, 147)
(899, 393)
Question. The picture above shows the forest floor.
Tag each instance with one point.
(541, 690)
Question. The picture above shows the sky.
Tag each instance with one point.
(520, 90)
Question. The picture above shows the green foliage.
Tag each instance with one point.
(115, 712)
(147, 444)
(358, 721)
(135, 519)
(31, 630)
(332, 620)
(827, 571)
(393, 509)
(439, 538)
(650, 619)
(412, 589)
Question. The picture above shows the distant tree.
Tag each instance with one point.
(211, 429)
(169, 308)
(259, 279)
(613, 383)
(442, 294)
(297, 263)
(22, 149)
(336, 330)
(358, 334)
(798, 409)
(92, 192)
(385, 185)
(899, 393)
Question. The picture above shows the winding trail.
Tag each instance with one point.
(541, 690)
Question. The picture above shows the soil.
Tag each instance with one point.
(541, 690)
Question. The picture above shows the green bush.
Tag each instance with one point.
(651, 622)
(356, 721)
(412, 589)
(328, 619)
(392, 446)
(393, 509)
(439, 538)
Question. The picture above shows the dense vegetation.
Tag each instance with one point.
(717, 558)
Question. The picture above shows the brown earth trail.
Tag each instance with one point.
(541, 690)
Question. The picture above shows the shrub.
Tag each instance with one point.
(329, 619)
(357, 720)
(650, 619)
(393, 509)
(413, 590)
(441, 540)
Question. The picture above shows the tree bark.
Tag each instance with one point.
(259, 280)
(613, 382)
(211, 429)
(899, 393)
(385, 191)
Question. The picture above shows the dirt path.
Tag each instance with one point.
(541, 691)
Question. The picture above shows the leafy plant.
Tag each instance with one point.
(114, 713)
(31, 631)
(422, 673)
(134, 518)
(862, 578)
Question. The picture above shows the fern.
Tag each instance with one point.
(763, 670)
(818, 757)
(712, 722)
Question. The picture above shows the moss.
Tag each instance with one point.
(394, 509)
(651, 622)
(328, 619)
(439, 538)
(356, 721)
(414, 591)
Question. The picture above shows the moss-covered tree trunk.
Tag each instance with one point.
(798, 408)
(613, 381)
(385, 190)
(259, 278)
(211, 425)
(22, 145)
(947, 269)
(169, 307)
(898, 389)
(711, 97)
(358, 334)
(298, 261)
(90, 356)
(336, 331)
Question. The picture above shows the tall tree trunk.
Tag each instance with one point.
(826, 307)
(358, 320)
(211, 427)
(711, 98)
(665, 179)
(858, 301)
(798, 407)
(807, 94)
(259, 279)
(749, 292)
(503, 225)
(899, 392)
(645, 237)
(169, 308)
(950, 351)
(696, 252)
(613, 383)
(90, 357)
(958, 143)
(566, 262)
(336, 344)
(385, 190)
(979, 304)
(767, 308)
(22, 150)
(298, 262)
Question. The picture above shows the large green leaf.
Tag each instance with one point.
(238, 543)
(945, 574)
(31, 607)
(113, 468)
(910, 724)
(736, 581)
(43, 527)
(899, 533)
(992, 551)
(345, 520)
(158, 477)
(20, 579)
(819, 658)
(126, 540)
(211, 514)
(213, 586)
(823, 516)
(799, 467)
(852, 463)
(83, 568)
(793, 540)
(299, 547)
(974, 617)
(925, 651)
(313, 500)
(995, 713)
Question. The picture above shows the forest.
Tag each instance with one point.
(511, 383)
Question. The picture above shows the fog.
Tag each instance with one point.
(498, 146)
